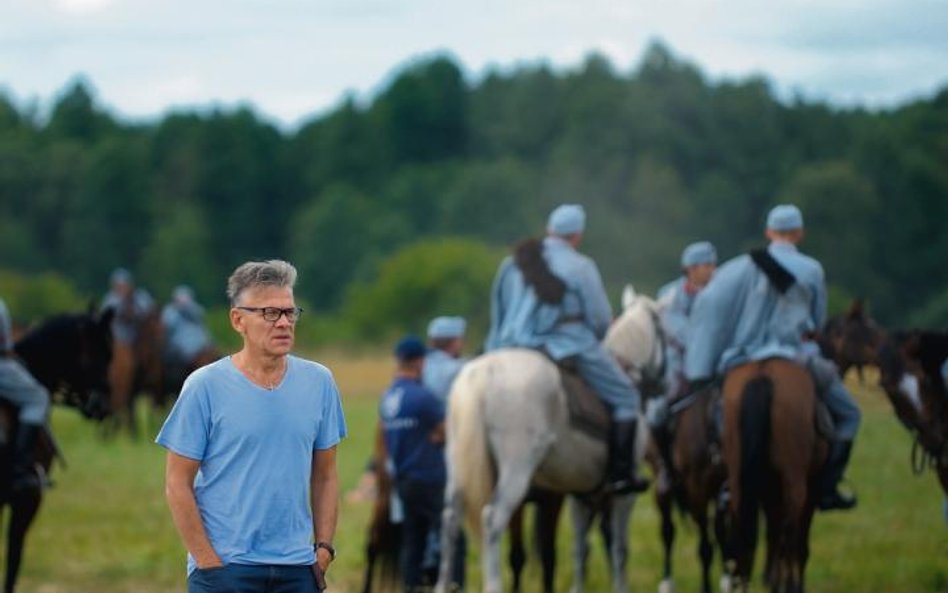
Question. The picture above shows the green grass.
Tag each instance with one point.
(105, 527)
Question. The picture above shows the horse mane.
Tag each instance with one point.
(929, 348)
(890, 355)
(56, 333)
(932, 352)
(528, 256)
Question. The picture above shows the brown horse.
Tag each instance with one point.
(851, 340)
(910, 365)
(692, 473)
(69, 355)
(136, 368)
(773, 455)
(383, 537)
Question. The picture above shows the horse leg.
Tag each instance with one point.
(548, 514)
(705, 549)
(664, 499)
(518, 556)
(581, 514)
(369, 567)
(620, 508)
(512, 487)
(23, 509)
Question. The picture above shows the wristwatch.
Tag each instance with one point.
(326, 546)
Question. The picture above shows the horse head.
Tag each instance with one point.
(636, 339)
(911, 367)
(70, 355)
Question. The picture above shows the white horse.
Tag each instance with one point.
(508, 428)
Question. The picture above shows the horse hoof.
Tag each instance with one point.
(666, 586)
(725, 584)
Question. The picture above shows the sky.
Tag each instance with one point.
(293, 59)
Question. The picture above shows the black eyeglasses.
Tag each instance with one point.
(274, 313)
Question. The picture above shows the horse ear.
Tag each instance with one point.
(628, 296)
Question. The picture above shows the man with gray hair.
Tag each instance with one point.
(251, 466)
(550, 297)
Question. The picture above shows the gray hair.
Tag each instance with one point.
(253, 274)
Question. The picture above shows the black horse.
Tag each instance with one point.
(69, 355)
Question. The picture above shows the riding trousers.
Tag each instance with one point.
(842, 407)
(19, 387)
(610, 382)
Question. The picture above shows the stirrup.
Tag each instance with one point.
(631, 485)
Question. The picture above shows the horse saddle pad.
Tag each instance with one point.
(587, 412)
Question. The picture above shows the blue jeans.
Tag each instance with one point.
(253, 578)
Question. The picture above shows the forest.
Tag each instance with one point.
(399, 206)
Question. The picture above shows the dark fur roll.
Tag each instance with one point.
(528, 256)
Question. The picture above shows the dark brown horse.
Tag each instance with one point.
(851, 340)
(69, 355)
(773, 455)
(691, 475)
(910, 365)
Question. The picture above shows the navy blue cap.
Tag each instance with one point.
(410, 348)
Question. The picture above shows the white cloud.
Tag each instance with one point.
(82, 6)
(294, 57)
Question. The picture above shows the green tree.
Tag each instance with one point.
(838, 206)
(336, 238)
(423, 280)
(178, 252)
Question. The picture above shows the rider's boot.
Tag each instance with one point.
(623, 475)
(830, 496)
(25, 477)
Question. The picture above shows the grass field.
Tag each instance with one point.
(105, 527)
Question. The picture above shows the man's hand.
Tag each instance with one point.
(323, 559)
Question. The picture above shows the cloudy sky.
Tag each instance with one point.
(294, 58)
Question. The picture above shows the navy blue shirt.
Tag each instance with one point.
(409, 413)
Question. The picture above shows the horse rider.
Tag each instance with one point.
(768, 304)
(412, 419)
(183, 322)
(131, 306)
(443, 361)
(550, 297)
(698, 262)
(19, 388)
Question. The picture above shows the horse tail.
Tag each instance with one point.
(755, 431)
(471, 467)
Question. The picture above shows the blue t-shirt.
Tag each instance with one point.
(256, 450)
(409, 413)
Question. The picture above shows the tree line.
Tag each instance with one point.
(400, 206)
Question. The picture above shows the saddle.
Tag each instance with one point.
(587, 412)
